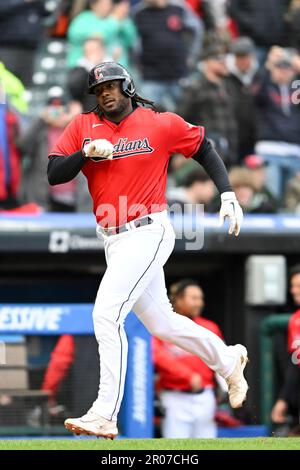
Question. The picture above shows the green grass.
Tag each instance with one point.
(262, 443)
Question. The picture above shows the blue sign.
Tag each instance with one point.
(136, 413)
(55, 319)
(46, 319)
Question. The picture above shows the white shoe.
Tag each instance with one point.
(92, 424)
(237, 384)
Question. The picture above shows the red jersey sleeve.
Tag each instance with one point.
(184, 138)
(69, 142)
(61, 360)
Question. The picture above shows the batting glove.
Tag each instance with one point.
(99, 148)
(230, 208)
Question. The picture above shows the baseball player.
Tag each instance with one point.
(123, 148)
(185, 382)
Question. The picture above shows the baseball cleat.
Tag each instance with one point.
(237, 384)
(92, 424)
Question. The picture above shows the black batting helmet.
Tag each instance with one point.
(111, 71)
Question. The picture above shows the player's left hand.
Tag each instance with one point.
(230, 208)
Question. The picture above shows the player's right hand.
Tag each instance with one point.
(99, 148)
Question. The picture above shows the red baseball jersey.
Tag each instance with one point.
(175, 366)
(133, 183)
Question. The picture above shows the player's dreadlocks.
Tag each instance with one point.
(136, 101)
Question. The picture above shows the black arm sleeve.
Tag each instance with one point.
(213, 165)
(63, 169)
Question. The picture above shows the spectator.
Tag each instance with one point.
(288, 402)
(12, 90)
(293, 24)
(252, 201)
(35, 142)
(292, 194)
(242, 66)
(21, 31)
(165, 52)
(263, 21)
(186, 383)
(209, 101)
(278, 119)
(10, 158)
(66, 11)
(94, 53)
(257, 167)
(111, 23)
(198, 189)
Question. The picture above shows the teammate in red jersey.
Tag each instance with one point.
(185, 383)
(123, 147)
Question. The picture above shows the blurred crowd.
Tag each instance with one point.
(229, 65)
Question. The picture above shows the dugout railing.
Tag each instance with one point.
(268, 327)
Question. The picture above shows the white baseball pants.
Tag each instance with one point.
(134, 280)
(189, 415)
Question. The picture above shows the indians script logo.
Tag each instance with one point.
(125, 148)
